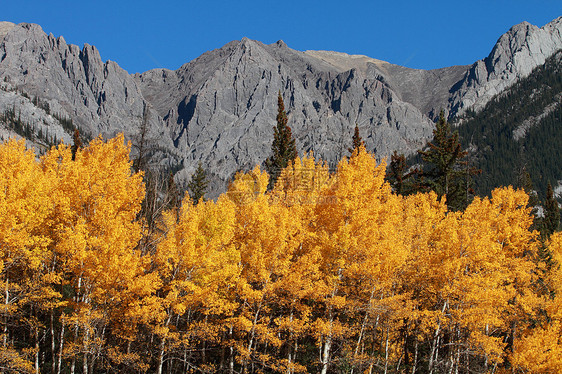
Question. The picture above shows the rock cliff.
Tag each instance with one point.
(515, 55)
(220, 108)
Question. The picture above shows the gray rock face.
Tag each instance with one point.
(100, 98)
(26, 111)
(427, 90)
(5, 27)
(221, 107)
(514, 56)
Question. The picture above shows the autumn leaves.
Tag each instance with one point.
(326, 272)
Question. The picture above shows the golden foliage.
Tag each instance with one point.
(325, 272)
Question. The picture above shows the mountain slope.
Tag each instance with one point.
(520, 128)
(99, 97)
(224, 106)
(220, 108)
(514, 56)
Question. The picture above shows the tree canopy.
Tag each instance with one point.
(323, 273)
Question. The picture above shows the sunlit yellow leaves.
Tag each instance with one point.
(197, 260)
(25, 204)
(326, 272)
(247, 186)
(13, 361)
(540, 349)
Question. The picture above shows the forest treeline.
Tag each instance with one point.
(324, 273)
(519, 131)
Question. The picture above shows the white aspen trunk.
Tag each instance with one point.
(36, 333)
(6, 301)
(85, 360)
(231, 359)
(53, 344)
(162, 346)
(289, 353)
(414, 366)
(434, 348)
(486, 355)
(451, 364)
(85, 343)
(358, 345)
(458, 359)
(61, 344)
(363, 326)
(95, 357)
(295, 355)
(386, 348)
(326, 352)
(253, 334)
(76, 299)
(435, 354)
(161, 355)
(73, 365)
(452, 356)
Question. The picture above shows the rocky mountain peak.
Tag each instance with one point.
(5, 28)
(281, 44)
(75, 84)
(220, 108)
(515, 55)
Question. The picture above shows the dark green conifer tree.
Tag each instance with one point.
(445, 171)
(357, 141)
(551, 213)
(283, 148)
(401, 178)
(77, 143)
(197, 186)
(525, 182)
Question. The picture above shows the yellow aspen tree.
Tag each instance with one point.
(299, 189)
(356, 228)
(95, 235)
(25, 204)
(267, 237)
(199, 267)
(476, 277)
(540, 348)
(418, 280)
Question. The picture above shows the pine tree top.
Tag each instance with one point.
(283, 147)
(357, 141)
(197, 186)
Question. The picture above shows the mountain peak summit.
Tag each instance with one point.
(5, 28)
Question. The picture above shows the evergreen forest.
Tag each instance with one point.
(519, 130)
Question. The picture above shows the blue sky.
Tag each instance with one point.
(141, 35)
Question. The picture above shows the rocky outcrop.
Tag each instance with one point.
(5, 27)
(220, 108)
(514, 56)
(99, 97)
(427, 90)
